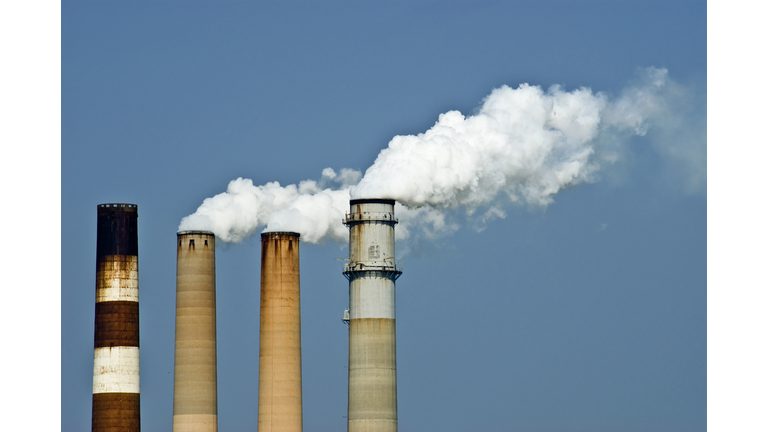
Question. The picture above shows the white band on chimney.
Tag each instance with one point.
(377, 300)
(118, 279)
(116, 370)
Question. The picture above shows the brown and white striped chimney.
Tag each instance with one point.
(116, 331)
(194, 371)
(280, 406)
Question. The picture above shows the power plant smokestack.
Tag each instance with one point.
(372, 272)
(194, 370)
(280, 406)
(116, 404)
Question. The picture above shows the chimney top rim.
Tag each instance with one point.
(201, 232)
(372, 201)
(273, 233)
(117, 207)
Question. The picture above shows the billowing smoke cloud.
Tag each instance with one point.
(522, 146)
(311, 208)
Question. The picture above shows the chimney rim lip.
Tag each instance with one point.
(117, 207)
(201, 232)
(372, 201)
(272, 233)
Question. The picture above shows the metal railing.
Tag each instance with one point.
(345, 317)
(351, 267)
(369, 216)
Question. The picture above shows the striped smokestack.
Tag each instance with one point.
(194, 369)
(372, 273)
(280, 334)
(116, 329)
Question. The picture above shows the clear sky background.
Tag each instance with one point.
(589, 316)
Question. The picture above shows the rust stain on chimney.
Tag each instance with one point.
(280, 396)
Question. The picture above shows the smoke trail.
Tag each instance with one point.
(311, 209)
(523, 145)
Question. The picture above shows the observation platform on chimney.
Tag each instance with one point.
(359, 269)
(353, 218)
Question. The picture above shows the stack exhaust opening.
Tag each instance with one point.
(116, 405)
(372, 272)
(195, 406)
(280, 399)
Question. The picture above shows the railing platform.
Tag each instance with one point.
(351, 218)
(358, 269)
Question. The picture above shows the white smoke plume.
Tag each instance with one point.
(311, 209)
(523, 145)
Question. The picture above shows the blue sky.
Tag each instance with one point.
(587, 316)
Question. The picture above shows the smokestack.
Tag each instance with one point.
(116, 330)
(194, 369)
(280, 334)
(372, 273)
